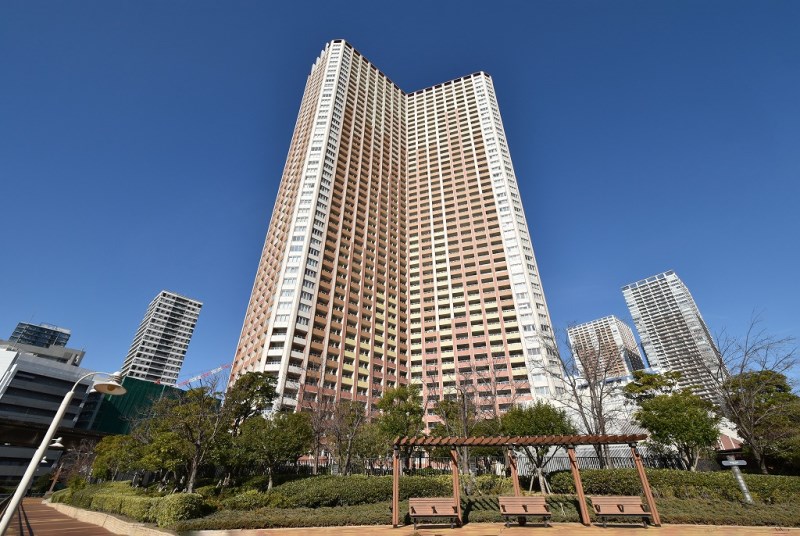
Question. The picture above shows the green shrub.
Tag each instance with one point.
(178, 507)
(493, 485)
(421, 486)
(694, 511)
(351, 490)
(139, 508)
(208, 491)
(62, 496)
(252, 499)
(475, 509)
(669, 483)
(363, 514)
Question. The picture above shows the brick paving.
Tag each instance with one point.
(497, 529)
(45, 521)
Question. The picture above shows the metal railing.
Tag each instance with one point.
(24, 527)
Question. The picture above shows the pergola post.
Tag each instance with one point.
(456, 482)
(512, 461)
(396, 487)
(648, 493)
(576, 476)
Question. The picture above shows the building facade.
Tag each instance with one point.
(160, 344)
(119, 414)
(605, 348)
(398, 250)
(673, 334)
(33, 383)
(42, 335)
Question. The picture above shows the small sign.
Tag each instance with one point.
(728, 463)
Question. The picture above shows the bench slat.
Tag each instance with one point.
(523, 507)
(620, 506)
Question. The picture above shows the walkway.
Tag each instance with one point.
(45, 521)
(497, 529)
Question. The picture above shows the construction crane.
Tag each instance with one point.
(204, 375)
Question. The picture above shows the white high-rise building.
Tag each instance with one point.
(398, 250)
(673, 334)
(160, 344)
(605, 348)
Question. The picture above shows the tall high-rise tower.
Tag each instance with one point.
(398, 250)
(160, 344)
(674, 335)
(605, 348)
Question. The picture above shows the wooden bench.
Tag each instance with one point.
(522, 507)
(431, 507)
(620, 506)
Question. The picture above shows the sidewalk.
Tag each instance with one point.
(45, 521)
(497, 529)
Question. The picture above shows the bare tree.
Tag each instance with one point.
(344, 426)
(320, 413)
(76, 462)
(469, 407)
(586, 386)
(755, 394)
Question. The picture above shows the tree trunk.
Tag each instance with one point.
(347, 457)
(762, 463)
(543, 487)
(192, 475)
(269, 478)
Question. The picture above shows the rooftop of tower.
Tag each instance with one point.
(423, 90)
(167, 292)
(647, 280)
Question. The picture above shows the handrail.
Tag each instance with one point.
(4, 503)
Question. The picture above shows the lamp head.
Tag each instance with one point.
(111, 386)
(56, 443)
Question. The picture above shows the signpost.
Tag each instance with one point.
(734, 464)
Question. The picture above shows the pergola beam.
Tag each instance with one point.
(510, 442)
(518, 441)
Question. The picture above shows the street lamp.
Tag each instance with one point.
(108, 387)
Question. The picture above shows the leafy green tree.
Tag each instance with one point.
(753, 390)
(166, 452)
(646, 386)
(185, 427)
(116, 454)
(538, 419)
(268, 443)
(788, 451)
(681, 420)
(372, 444)
(401, 413)
(766, 413)
(252, 394)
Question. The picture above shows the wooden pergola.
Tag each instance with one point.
(568, 442)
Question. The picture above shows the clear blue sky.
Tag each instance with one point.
(142, 143)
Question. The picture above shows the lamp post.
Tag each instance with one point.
(109, 387)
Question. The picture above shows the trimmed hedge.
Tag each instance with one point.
(321, 491)
(485, 509)
(698, 511)
(362, 514)
(178, 507)
(121, 498)
(670, 483)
